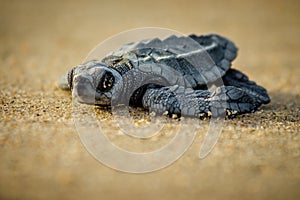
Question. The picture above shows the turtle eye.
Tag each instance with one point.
(106, 83)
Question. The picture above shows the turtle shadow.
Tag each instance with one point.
(283, 101)
(283, 107)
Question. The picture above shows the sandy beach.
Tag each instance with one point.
(42, 157)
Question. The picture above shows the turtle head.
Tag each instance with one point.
(91, 83)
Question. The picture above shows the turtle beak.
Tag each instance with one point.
(83, 90)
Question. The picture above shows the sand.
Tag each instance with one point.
(42, 157)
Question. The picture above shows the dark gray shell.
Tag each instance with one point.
(200, 59)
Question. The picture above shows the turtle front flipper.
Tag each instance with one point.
(176, 100)
(66, 81)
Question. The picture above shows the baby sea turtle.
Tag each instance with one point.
(188, 76)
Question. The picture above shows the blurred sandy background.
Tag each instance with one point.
(257, 156)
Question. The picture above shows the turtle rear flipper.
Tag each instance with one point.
(222, 50)
(236, 78)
